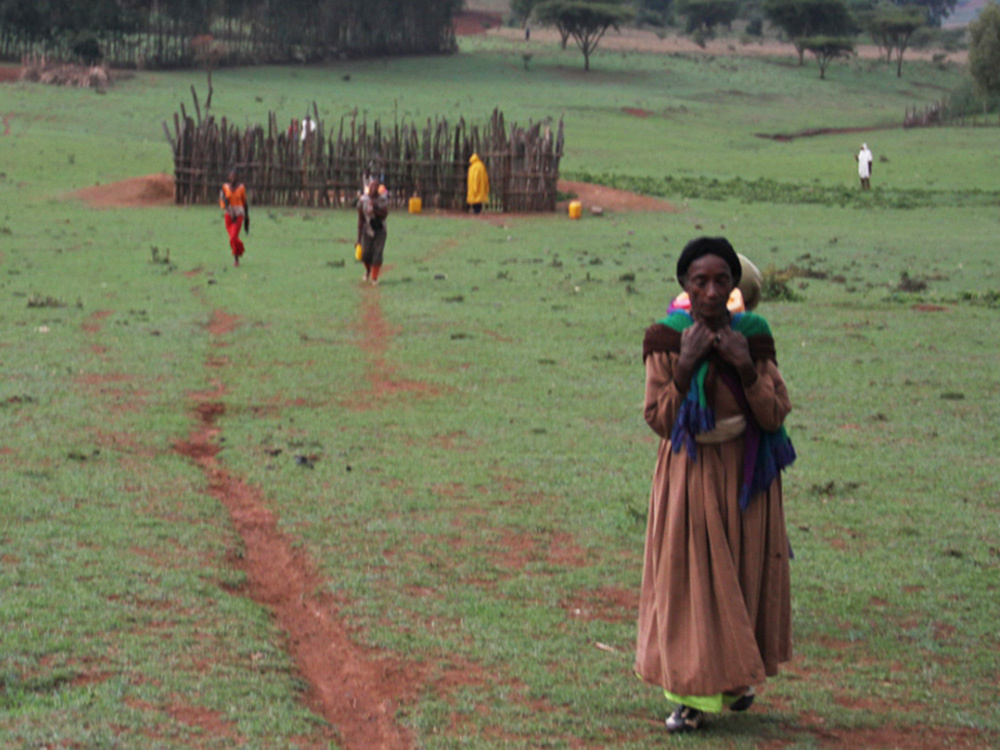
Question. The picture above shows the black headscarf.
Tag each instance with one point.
(709, 246)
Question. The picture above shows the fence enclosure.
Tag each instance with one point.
(280, 167)
(940, 113)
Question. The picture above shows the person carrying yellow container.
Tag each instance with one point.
(479, 185)
(373, 208)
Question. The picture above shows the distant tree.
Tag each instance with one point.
(159, 32)
(935, 11)
(892, 27)
(702, 16)
(826, 49)
(520, 10)
(87, 49)
(800, 19)
(984, 50)
(24, 20)
(652, 12)
(584, 20)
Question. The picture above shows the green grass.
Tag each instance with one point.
(483, 521)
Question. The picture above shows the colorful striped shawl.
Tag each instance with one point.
(766, 453)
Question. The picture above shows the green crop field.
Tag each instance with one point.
(268, 506)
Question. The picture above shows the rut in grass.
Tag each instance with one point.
(355, 689)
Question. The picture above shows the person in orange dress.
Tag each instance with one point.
(233, 200)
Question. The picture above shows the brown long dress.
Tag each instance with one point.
(715, 605)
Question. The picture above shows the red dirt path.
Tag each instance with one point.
(375, 335)
(352, 687)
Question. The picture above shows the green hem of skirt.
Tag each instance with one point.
(708, 703)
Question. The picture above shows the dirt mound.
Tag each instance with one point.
(475, 22)
(611, 199)
(151, 190)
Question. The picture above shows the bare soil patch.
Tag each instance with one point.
(151, 190)
(610, 604)
(9, 74)
(610, 199)
(913, 738)
(470, 22)
(93, 323)
(222, 323)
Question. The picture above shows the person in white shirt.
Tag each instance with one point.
(864, 159)
(308, 127)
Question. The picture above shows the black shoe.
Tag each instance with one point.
(743, 702)
(684, 719)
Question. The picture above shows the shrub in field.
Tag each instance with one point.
(37, 300)
(984, 50)
(990, 299)
(776, 286)
(909, 283)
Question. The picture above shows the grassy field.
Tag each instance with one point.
(448, 474)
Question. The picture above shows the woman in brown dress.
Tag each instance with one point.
(715, 606)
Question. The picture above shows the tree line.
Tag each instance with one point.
(159, 33)
(824, 28)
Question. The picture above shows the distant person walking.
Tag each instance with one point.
(233, 200)
(479, 185)
(308, 128)
(373, 208)
(864, 159)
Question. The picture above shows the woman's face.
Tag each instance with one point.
(709, 283)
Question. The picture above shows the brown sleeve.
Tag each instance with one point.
(663, 400)
(659, 338)
(768, 397)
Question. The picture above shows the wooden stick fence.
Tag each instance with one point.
(940, 113)
(280, 167)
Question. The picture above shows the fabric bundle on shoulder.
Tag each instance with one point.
(766, 453)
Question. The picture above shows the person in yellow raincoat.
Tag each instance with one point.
(479, 184)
